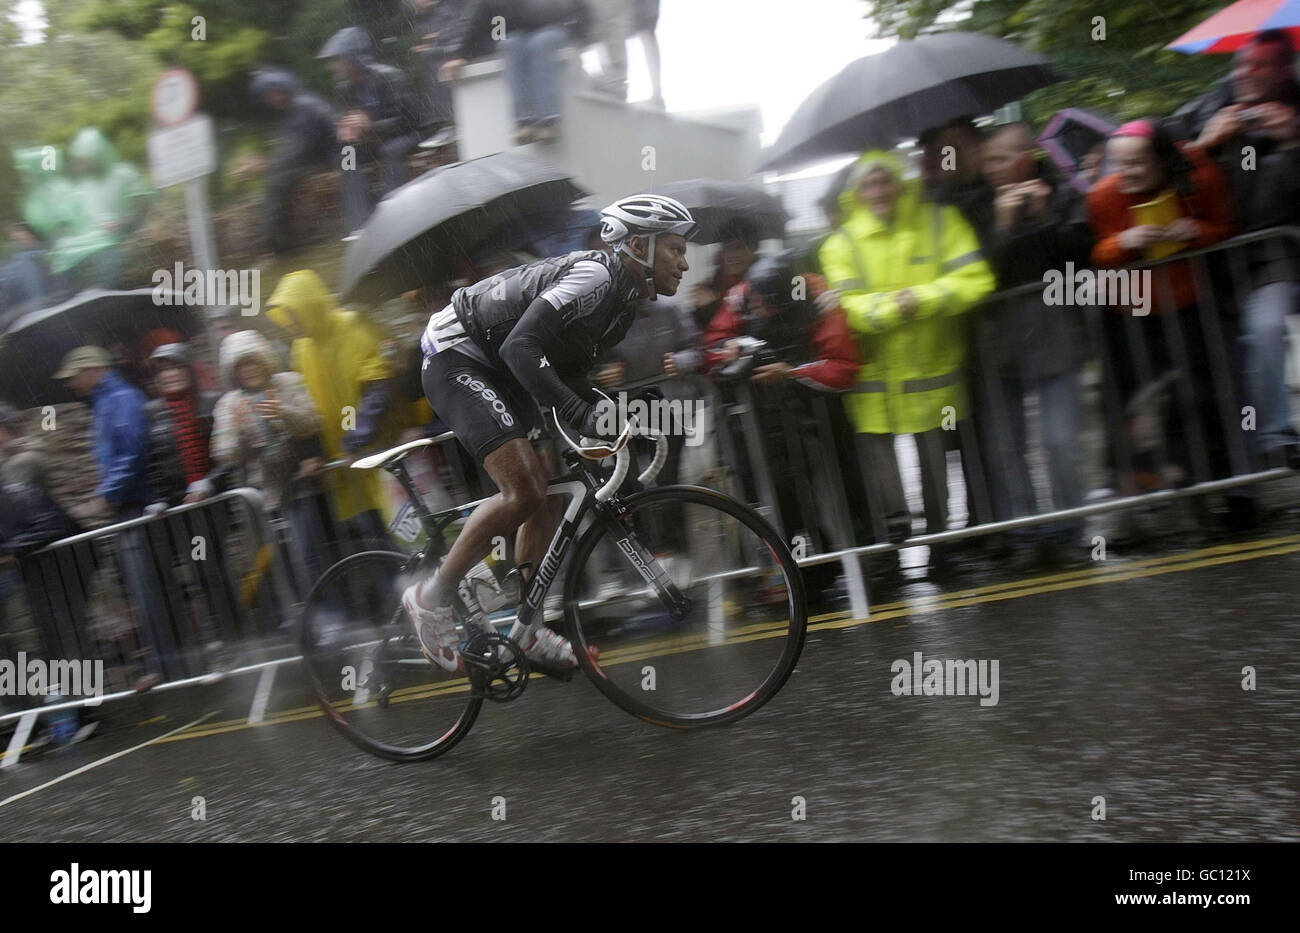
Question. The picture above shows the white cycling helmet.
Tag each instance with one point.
(644, 215)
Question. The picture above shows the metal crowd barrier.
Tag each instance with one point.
(1201, 387)
(161, 600)
(197, 593)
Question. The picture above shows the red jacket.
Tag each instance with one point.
(1209, 204)
(835, 363)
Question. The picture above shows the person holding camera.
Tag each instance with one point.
(1250, 125)
(1040, 223)
(781, 331)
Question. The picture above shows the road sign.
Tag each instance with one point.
(175, 97)
(179, 153)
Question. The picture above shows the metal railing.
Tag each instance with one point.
(1195, 350)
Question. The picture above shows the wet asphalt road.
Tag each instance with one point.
(1122, 681)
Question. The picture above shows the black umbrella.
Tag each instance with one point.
(898, 94)
(32, 347)
(712, 203)
(426, 230)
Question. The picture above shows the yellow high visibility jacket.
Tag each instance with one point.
(911, 370)
(342, 351)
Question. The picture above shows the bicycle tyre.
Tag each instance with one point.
(582, 636)
(321, 663)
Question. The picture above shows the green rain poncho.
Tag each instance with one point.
(111, 193)
(46, 190)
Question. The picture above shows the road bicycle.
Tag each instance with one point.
(683, 606)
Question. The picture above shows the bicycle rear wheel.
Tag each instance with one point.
(708, 648)
(366, 667)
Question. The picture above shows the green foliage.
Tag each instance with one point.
(100, 58)
(1128, 74)
(54, 88)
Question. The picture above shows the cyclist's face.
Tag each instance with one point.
(670, 262)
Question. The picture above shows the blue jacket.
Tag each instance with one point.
(121, 432)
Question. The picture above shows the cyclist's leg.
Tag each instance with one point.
(489, 420)
(498, 423)
(535, 534)
(519, 473)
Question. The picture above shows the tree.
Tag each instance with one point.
(1110, 53)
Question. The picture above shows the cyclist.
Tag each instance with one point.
(510, 343)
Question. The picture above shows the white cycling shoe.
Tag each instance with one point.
(551, 649)
(436, 630)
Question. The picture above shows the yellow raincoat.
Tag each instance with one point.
(911, 370)
(341, 352)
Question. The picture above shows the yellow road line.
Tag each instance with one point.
(1217, 555)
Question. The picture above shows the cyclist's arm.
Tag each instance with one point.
(542, 334)
(537, 337)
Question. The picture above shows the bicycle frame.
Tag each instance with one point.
(581, 486)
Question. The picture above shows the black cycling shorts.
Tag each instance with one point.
(483, 407)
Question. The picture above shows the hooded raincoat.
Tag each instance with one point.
(341, 352)
(912, 369)
(111, 193)
(261, 449)
(45, 190)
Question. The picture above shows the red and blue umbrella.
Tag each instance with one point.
(1234, 26)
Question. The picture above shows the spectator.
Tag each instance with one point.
(645, 20)
(381, 120)
(23, 279)
(905, 270)
(536, 32)
(305, 142)
(46, 190)
(1148, 165)
(737, 250)
(1091, 165)
(661, 348)
(613, 22)
(105, 204)
(30, 519)
(1040, 224)
(263, 432)
(831, 209)
(452, 32)
(340, 355)
(951, 171)
(1257, 106)
(806, 351)
(121, 447)
(181, 470)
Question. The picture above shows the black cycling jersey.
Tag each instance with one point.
(542, 323)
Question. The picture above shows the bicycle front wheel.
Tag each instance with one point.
(366, 667)
(688, 611)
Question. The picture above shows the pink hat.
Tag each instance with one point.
(1141, 128)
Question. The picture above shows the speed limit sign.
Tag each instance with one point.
(175, 97)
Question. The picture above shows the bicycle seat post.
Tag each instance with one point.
(398, 469)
